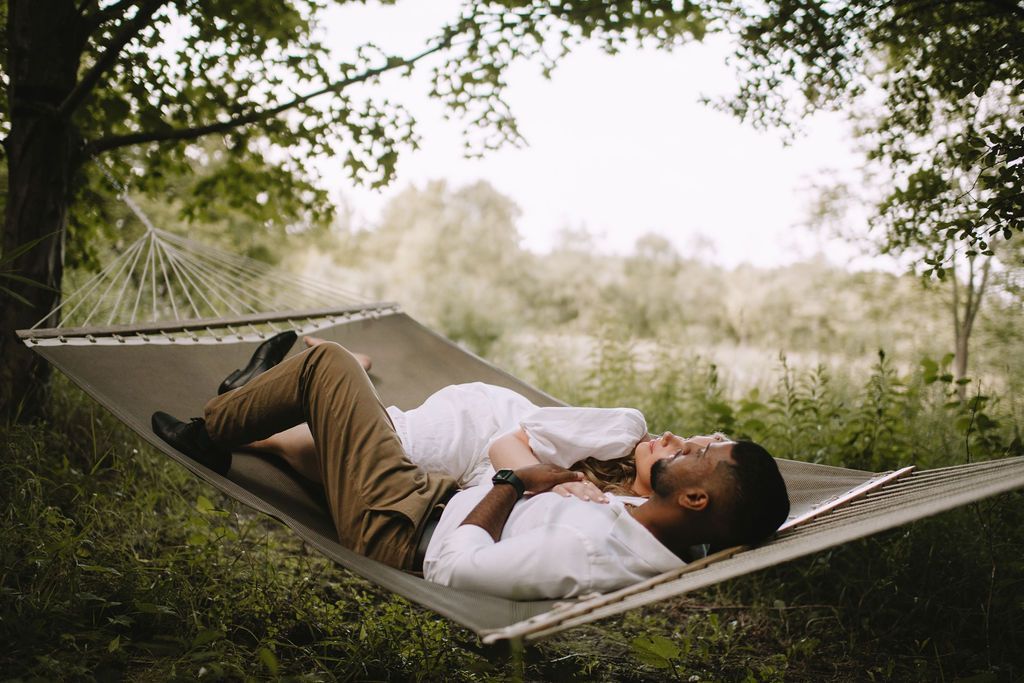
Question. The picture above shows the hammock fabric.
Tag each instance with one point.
(134, 371)
(217, 301)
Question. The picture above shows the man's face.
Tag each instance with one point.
(664, 448)
(694, 465)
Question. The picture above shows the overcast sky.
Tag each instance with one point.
(619, 145)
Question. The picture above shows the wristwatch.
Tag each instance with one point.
(507, 476)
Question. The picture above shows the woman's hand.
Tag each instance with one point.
(584, 490)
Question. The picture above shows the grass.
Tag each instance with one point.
(116, 564)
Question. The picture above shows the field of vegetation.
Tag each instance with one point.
(115, 563)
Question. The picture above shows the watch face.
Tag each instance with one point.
(507, 476)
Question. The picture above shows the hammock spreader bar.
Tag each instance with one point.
(834, 505)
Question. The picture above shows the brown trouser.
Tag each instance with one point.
(378, 499)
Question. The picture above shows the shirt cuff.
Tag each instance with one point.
(457, 545)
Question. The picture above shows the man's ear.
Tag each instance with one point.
(695, 499)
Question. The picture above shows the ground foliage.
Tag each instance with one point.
(116, 563)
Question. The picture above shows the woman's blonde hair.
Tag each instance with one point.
(611, 476)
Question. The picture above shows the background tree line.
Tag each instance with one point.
(452, 257)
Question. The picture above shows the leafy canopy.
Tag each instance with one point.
(257, 82)
(937, 88)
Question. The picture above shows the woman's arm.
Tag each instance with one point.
(513, 451)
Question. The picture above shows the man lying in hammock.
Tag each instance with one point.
(467, 431)
(492, 539)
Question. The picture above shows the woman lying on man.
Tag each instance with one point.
(468, 431)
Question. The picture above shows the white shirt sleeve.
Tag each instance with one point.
(518, 568)
(564, 436)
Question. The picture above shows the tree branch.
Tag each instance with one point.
(956, 305)
(83, 5)
(921, 7)
(116, 141)
(1008, 5)
(969, 294)
(128, 31)
(102, 16)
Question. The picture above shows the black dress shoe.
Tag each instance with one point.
(192, 439)
(267, 355)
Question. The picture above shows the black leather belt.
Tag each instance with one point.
(428, 530)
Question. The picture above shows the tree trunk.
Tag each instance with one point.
(963, 325)
(960, 363)
(44, 52)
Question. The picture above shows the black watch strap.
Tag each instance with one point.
(507, 476)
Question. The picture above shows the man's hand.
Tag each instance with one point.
(544, 477)
(491, 513)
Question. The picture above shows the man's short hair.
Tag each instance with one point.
(760, 503)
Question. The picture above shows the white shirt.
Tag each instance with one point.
(551, 547)
(451, 432)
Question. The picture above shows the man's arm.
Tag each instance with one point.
(519, 568)
(491, 513)
(512, 451)
(548, 562)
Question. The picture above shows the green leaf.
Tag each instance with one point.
(207, 636)
(27, 281)
(204, 505)
(655, 651)
(985, 423)
(963, 423)
(14, 295)
(99, 569)
(121, 620)
(150, 608)
(977, 402)
(24, 248)
(269, 660)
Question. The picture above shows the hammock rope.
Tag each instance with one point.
(164, 277)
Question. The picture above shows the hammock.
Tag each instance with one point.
(134, 368)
